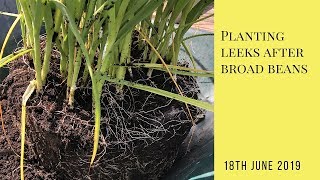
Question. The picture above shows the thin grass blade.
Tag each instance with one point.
(13, 56)
(194, 102)
(30, 89)
(9, 34)
(96, 95)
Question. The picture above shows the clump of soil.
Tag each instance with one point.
(140, 132)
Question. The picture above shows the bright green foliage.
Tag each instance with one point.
(165, 35)
(82, 29)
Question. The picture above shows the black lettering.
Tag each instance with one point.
(271, 69)
(224, 69)
(304, 69)
(224, 35)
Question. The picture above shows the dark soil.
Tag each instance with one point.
(140, 133)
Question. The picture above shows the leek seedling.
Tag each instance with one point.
(49, 30)
(81, 29)
(165, 26)
(36, 25)
(25, 98)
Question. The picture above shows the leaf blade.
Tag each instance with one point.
(194, 102)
